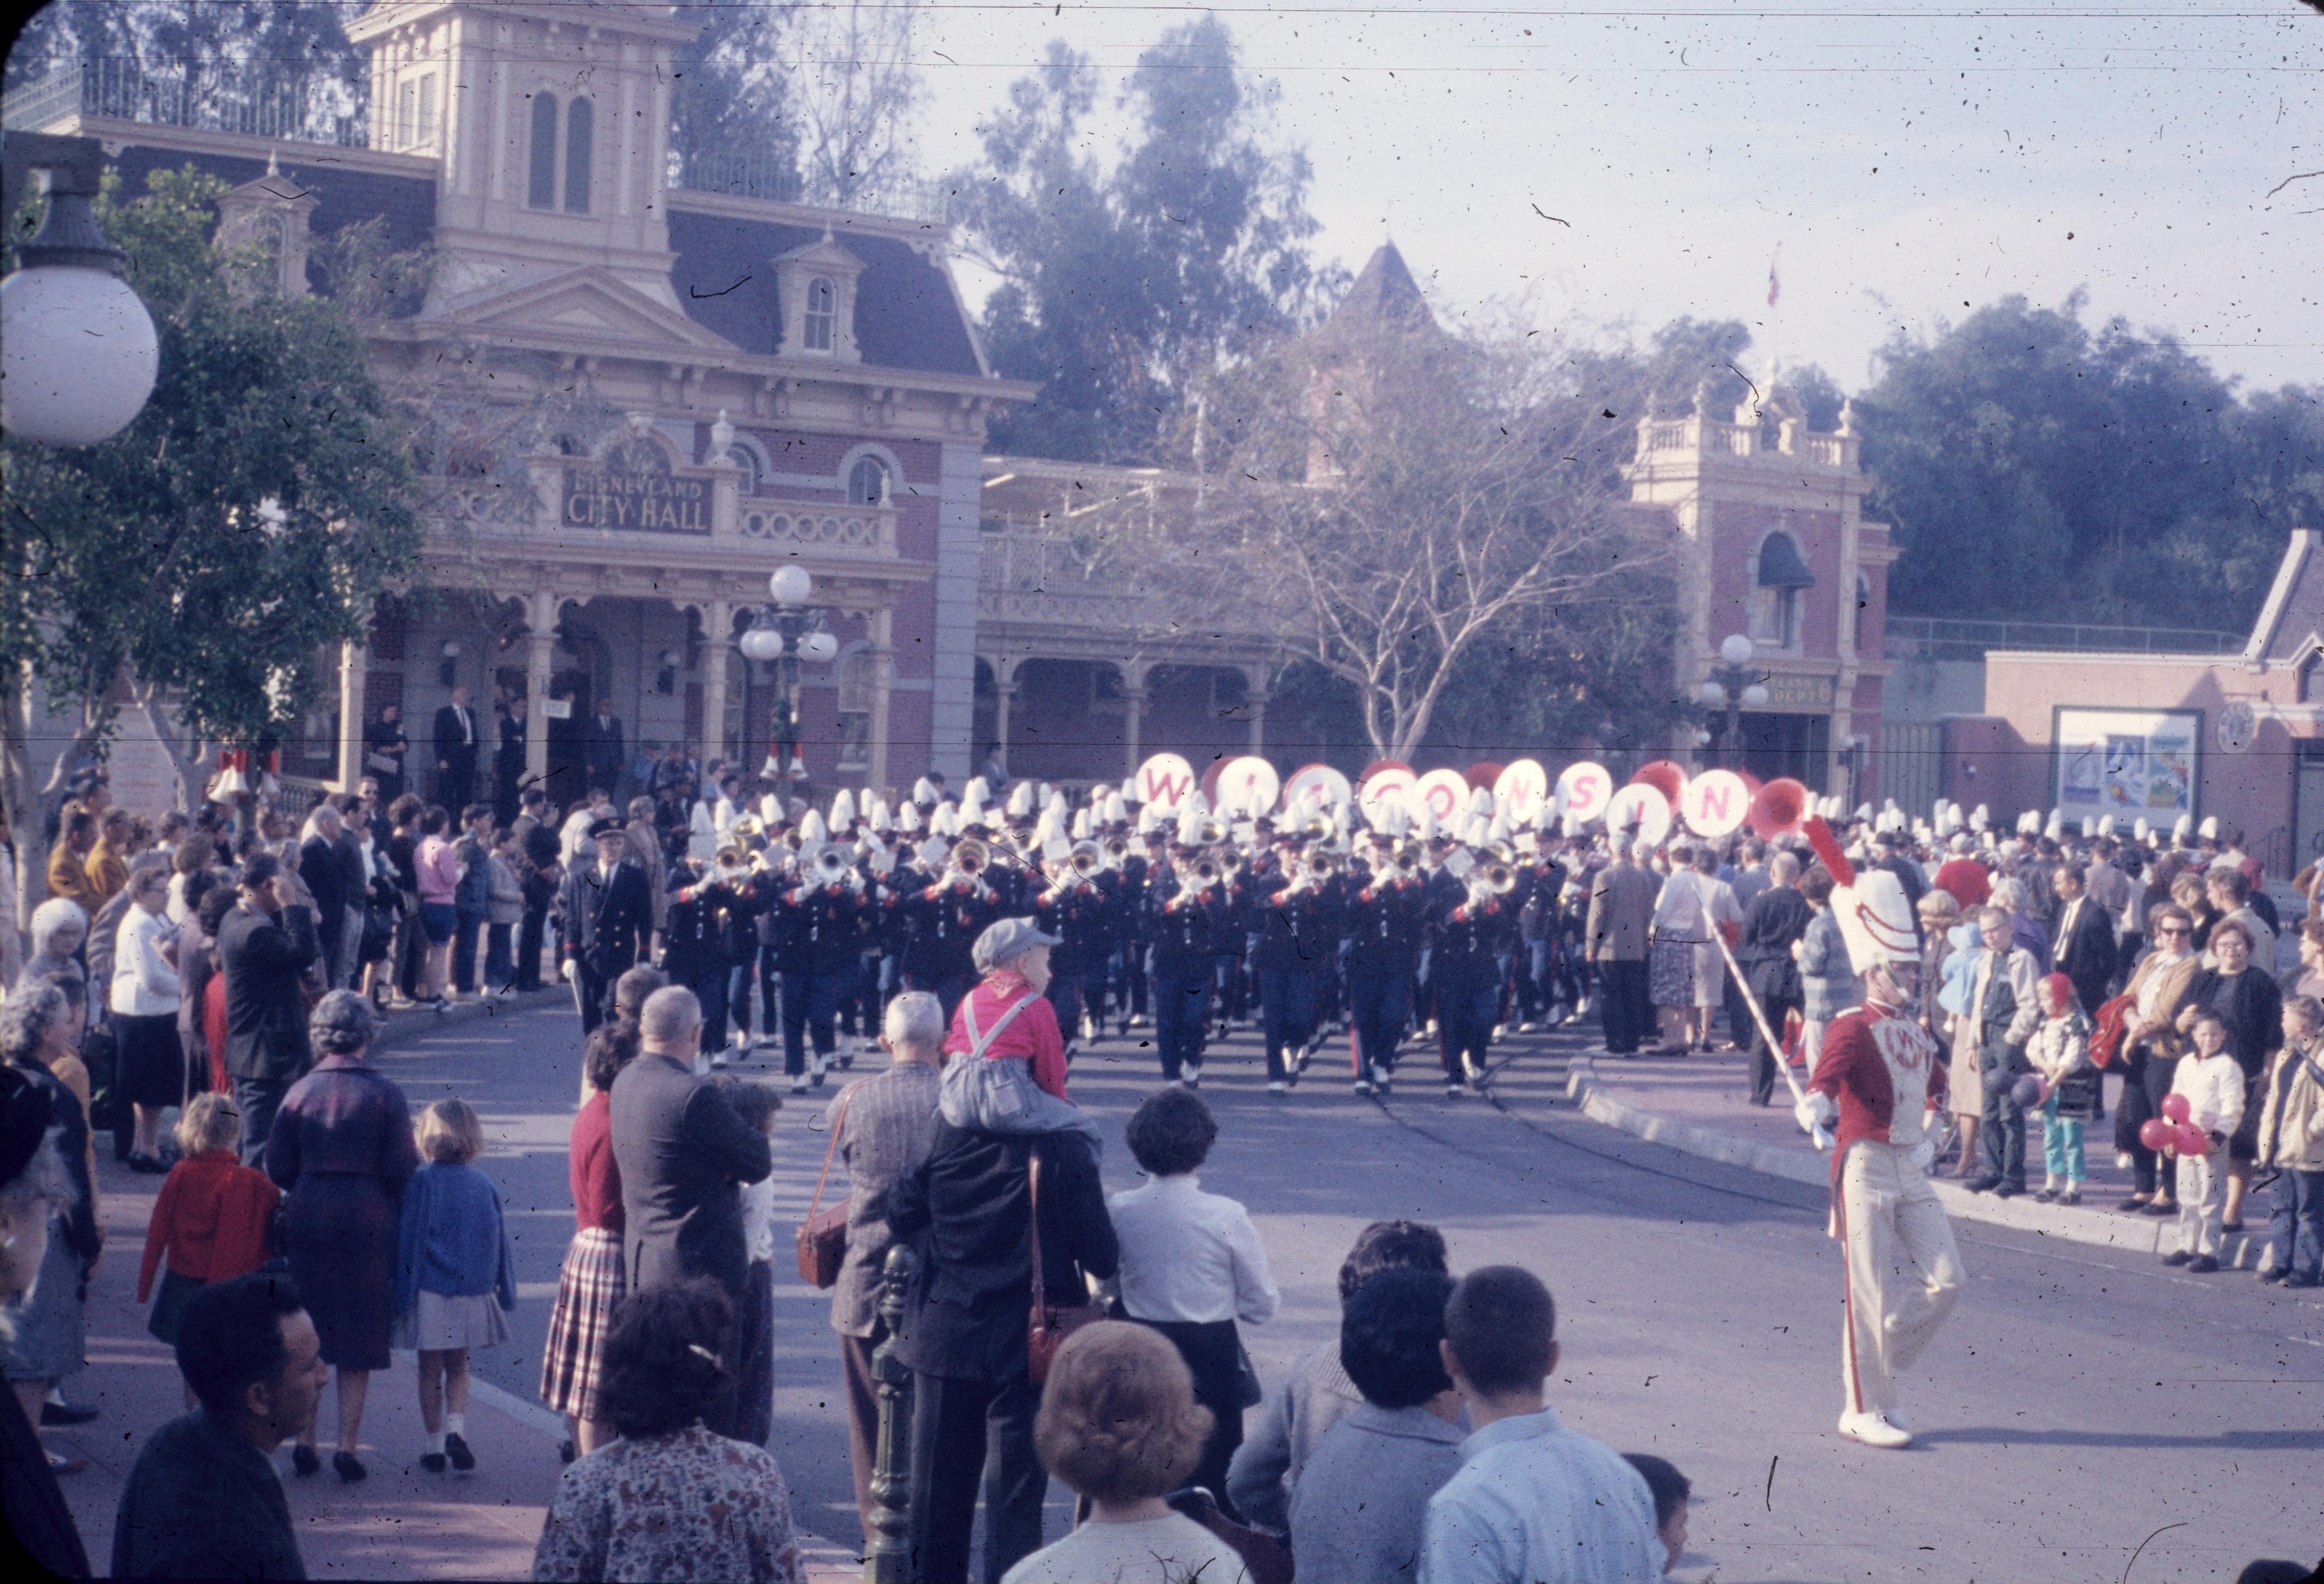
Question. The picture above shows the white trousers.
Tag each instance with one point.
(2202, 1202)
(1903, 1272)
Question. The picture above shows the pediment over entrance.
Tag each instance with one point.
(587, 302)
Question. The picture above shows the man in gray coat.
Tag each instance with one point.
(1621, 910)
(684, 1154)
(265, 946)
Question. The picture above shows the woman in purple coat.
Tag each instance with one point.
(341, 1150)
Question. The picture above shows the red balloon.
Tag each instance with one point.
(2156, 1134)
(2192, 1140)
(2174, 1107)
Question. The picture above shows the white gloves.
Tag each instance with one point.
(572, 969)
(1814, 1109)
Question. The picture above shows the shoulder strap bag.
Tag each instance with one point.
(1048, 1325)
(823, 1237)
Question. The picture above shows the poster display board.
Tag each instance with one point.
(2127, 762)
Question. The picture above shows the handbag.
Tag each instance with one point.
(1047, 1327)
(823, 1237)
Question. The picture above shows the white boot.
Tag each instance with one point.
(1874, 1429)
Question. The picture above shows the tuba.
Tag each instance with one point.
(746, 828)
(1087, 858)
(1117, 850)
(1779, 807)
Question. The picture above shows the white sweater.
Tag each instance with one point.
(144, 985)
(2214, 1088)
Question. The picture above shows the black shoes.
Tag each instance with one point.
(1982, 1184)
(2007, 1190)
(138, 1161)
(2202, 1264)
(349, 1467)
(2162, 1207)
(53, 1415)
(455, 1446)
(2180, 1256)
(303, 1462)
(432, 1461)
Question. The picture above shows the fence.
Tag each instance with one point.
(1913, 764)
(1946, 638)
(258, 99)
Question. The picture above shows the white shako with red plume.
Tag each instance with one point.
(1874, 914)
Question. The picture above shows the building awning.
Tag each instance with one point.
(1780, 566)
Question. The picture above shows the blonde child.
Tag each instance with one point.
(2060, 1050)
(213, 1218)
(455, 1273)
(2213, 1086)
(754, 1345)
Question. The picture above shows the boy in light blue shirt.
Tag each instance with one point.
(1533, 1502)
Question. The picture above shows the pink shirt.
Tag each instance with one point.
(1031, 1034)
(440, 871)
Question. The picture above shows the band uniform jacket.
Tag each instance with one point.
(607, 918)
(2085, 952)
(264, 963)
(684, 1152)
(1621, 907)
(967, 1208)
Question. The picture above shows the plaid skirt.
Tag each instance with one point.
(587, 1289)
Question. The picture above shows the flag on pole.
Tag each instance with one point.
(1775, 285)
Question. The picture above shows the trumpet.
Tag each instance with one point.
(832, 867)
(1231, 863)
(1321, 867)
(1205, 871)
(1407, 858)
(1499, 879)
(971, 857)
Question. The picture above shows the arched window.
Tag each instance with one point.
(579, 119)
(754, 469)
(867, 483)
(1779, 579)
(822, 326)
(540, 191)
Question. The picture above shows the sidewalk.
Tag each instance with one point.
(402, 1522)
(1700, 1105)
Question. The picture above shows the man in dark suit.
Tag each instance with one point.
(2085, 952)
(602, 742)
(966, 1209)
(508, 761)
(456, 751)
(684, 1152)
(1779, 916)
(264, 948)
(320, 867)
(607, 916)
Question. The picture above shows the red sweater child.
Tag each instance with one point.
(212, 1220)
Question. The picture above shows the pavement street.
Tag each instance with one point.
(2080, 1400)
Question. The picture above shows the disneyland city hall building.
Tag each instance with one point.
(637, 397)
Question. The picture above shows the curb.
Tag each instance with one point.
(398, 1028)
(2098, 1228)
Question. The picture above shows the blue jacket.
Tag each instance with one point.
(451, 1239)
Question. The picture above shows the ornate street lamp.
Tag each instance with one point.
(1730, 687)
(77, 350)
(786, 634)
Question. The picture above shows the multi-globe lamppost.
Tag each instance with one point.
(786, 633)
(77, 350)
(1732, 686)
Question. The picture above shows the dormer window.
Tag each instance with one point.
(270, 217)
(821, 314)
(816, 285)
(541, 185)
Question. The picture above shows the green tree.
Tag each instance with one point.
(216, 548)
(1121, 283)
(731, 98)
(2032, 466)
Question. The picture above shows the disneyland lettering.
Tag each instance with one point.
(652, 503)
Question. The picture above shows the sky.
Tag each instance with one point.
(1605, 170)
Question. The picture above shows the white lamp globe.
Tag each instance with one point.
(1736, 650)
(790, 585)
(77, 355)
(758, 643)
(1713, 696)
(1754, 696)
(819, 647)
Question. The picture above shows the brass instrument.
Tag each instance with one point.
(1117, 849)
(1407, 858)
(746, 828)
(1211, 832)
(1500, 879)
(832, 867)
(1205, 871)
(1087, 858)
(1231, 862)
(1322, 866)
(1502, 850)
(1320, 828)
(971, 857)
